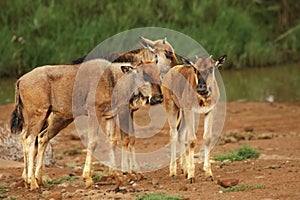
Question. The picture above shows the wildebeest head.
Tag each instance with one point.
(147, 76)
(165, 57)
(204, 68)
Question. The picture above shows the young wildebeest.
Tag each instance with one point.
(160, 52)
(44, 103)
(44, 107)
(188, 89)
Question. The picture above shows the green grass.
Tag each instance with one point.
(56, 32)
(69, 166)
(244, 187)
(3, 191)
(242, 153)
(98, 176)
(158, 196)
(59, 180)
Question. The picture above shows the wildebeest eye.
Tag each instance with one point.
(168, 54)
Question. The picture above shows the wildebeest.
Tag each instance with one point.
(188, 89)
(44, 103)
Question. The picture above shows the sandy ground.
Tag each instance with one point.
(272, 128)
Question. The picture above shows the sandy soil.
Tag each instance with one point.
(272, 128)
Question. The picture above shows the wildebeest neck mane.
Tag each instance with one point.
(114, 57)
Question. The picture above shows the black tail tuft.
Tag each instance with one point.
(16, 122)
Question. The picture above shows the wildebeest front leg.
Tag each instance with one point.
(133, 166)
(207, 137)
(191, 139)
(125, 129)
(111, 131)
(92, 143)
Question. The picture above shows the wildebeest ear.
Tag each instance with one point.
(147, 43)
(126, 69)
(186, 60)
(221, 60)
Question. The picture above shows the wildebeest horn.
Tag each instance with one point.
(165, 40)
(210, 56)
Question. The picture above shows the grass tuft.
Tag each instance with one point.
(244, 187)
(98, 176)
(59, 180)
(242, 153)
(158, 196)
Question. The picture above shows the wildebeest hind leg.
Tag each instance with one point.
(55, 124)
(29, 142)
(191, 139)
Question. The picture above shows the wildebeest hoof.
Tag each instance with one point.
(89, 183)
(191, 180)
(209, 178)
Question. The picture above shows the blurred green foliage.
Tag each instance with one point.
(250, 32)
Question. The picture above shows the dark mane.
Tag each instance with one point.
(79, 60)
(123, 57)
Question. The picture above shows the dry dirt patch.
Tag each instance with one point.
(273, 129)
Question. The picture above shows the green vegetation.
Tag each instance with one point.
(3, 191)
(98, 176)
(158, 196)
(242, 153)
(69, 166)
(244, 187)
(256, 33)
(59, 180)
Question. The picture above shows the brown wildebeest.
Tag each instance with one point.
(44, 107)
(160, 52)
(44, 104)
(188, 89)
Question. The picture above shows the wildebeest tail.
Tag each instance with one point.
(16, 122)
